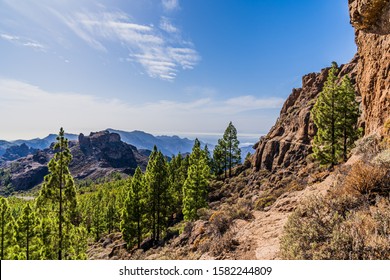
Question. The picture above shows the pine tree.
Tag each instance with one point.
(233, 156)
(26, 233)
(349, 110)
(47, 237)
(335, 115)
(97, 214)
(111, 214)
(158, 193)
(209, 159)
(220, 158)
(325, 146)
(196, 184)
(133, 212)
(58, 193)
(7, 230)
(78, 237)
(177, 176)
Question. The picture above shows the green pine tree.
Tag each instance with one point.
(233, 152)
(195, 186)
(58, 192)
(209, 159)
(112, 211)
(158, 193)
(326, 148)
(133, 212)
(349, 110)
(177, 176)
(7, 231)
(97, 214)
(27, 233)
(219, 165)
(47, 237)
(335, 115)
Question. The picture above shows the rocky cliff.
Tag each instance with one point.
(17, 151)
(371, 20)
(289, 139)
(94, 156)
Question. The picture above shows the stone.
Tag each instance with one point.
(288, 143)
(372, 36)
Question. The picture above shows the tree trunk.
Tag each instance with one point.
(60, 211)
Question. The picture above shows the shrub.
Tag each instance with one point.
(383, 159)
(308, 231)
(224, 244)
(365, 179)
(220, 222)
(368, 146)
(265, 200)
(204, 214)
(241, 210)
(364, 235)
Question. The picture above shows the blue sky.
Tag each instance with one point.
(162, 66)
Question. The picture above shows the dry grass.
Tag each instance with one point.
(368, 180)
(220, 221)
(351, 222)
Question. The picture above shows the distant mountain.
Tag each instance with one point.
(95, 156)
(245, 150)
(169, 145)
(36, 143)
(4, 145)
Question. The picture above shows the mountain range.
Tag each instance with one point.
(169, 145)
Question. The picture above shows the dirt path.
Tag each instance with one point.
(259, 238)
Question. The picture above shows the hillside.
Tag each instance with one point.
(95, 156)
(169, 145)
(280, 203)
(254, 210)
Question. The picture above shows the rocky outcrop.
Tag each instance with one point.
(289, 139)
(371, 20)
(17, 151)
(94, 156)
(103, 152)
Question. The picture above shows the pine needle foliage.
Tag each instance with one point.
(195, 188)
(7, 231)
(58, 193)
(335, 115)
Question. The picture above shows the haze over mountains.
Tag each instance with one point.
(169, 145)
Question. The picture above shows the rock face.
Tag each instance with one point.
(17, 151)
(289, 139)
(94, 156)
(103, 152)
(371, 20)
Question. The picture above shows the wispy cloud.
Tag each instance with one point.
(250, 102)
(23, 42)
(84, 113)
(170, 5)
(160, 54)
(167, 26)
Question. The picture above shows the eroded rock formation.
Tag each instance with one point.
(289, 140)
(94, 156)
(371, 20)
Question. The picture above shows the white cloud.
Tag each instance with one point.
(170, 5)
(161, 55)
(167, 26)
(23, 42)
(31, 111)
(157, 47)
